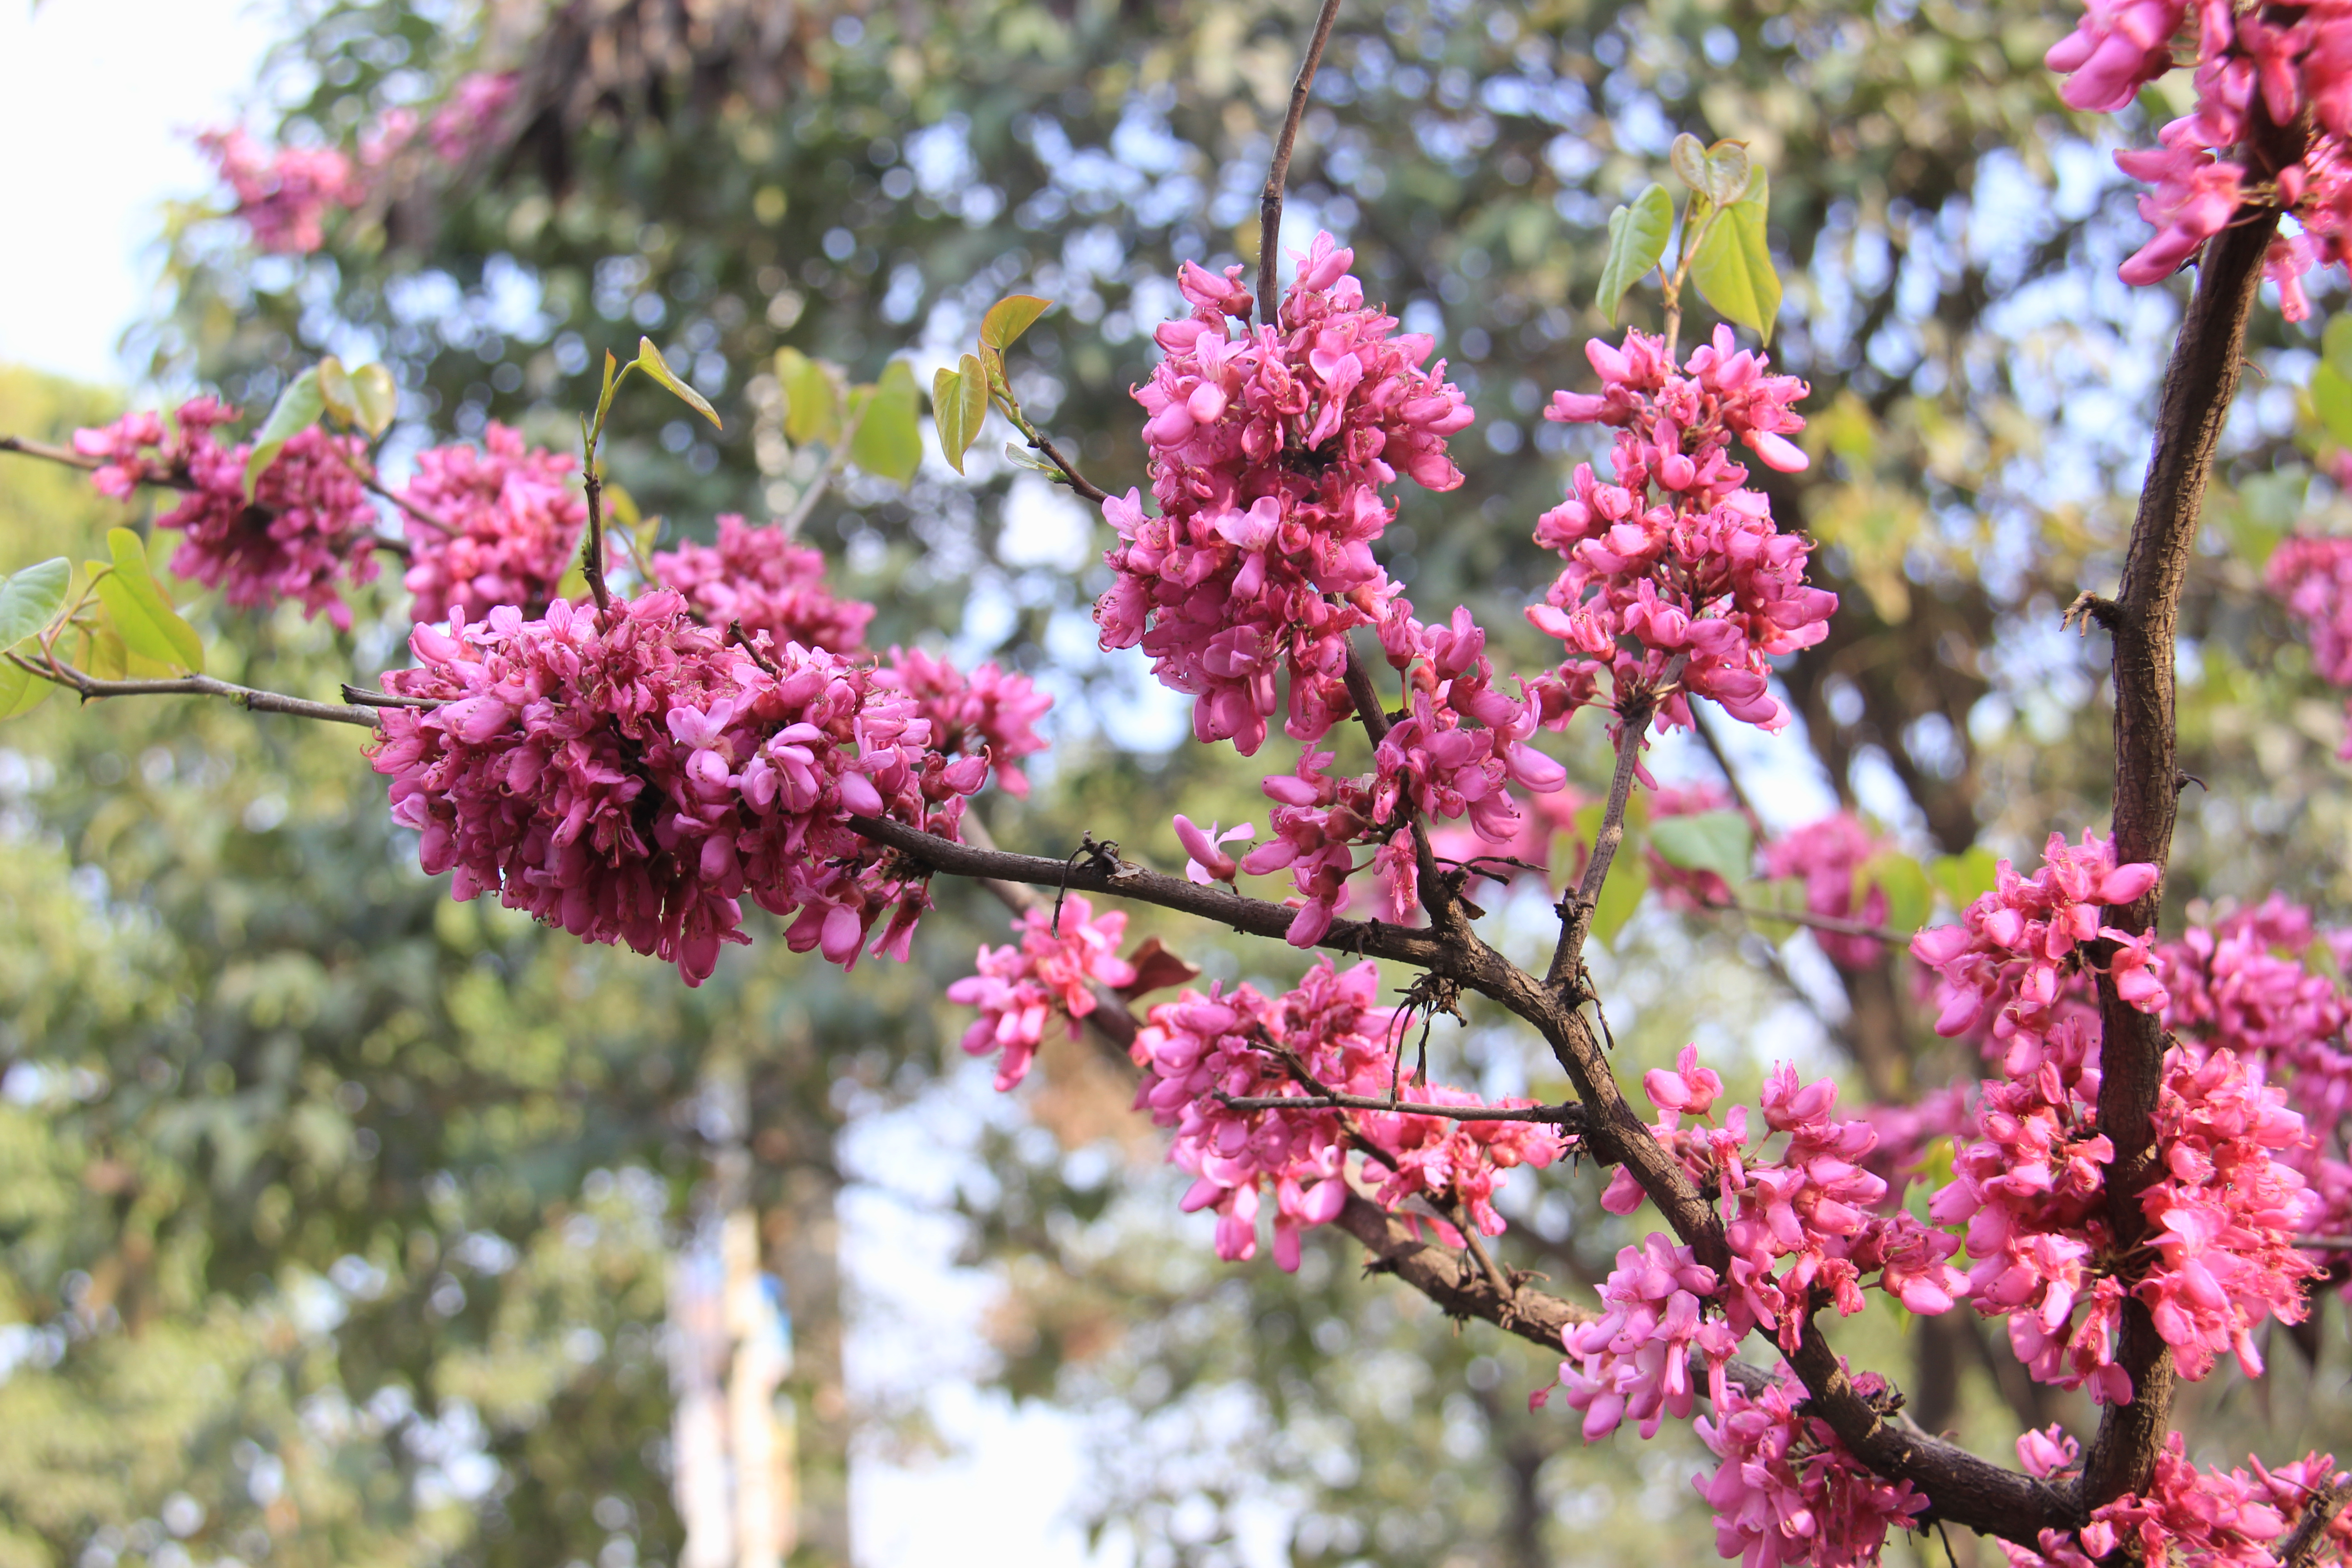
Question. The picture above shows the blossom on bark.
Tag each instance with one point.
(1787, 1492)
(1673, 564)
(761, 577)
(1052, 971)
(505, 523)
(991, 710)
(2198, 1519)
(307, 530)
(632, 777)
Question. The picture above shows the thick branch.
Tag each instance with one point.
(1269, 204)
(245, 696)
(2198, 386)
(2302, 1548)
(1570, 1117)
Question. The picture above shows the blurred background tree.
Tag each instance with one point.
(341, 1216)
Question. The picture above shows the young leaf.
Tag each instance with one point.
(32, 598)
(649, 359)
(1021, 457)
(812, 399)
(2331, 397)
(335, 392)
(1910, 897)
(143, 617)
(1732, 268)
(1965, 878)
(1687, 158)
(376, 398)
(889, 440)
(1009, 318)
(21, 690)
(960, 406)
(1717, 841)
(298, 408)
(1620, 895)
(1637, 239)
(1727, 173)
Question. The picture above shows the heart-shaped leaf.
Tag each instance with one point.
(812, 398)
(21, 690)
(335, 392)
(1727, 173)
(1734, 268)
(889, 439)
(1637, 239)
(960, 407)
(296, 409)
(1009, 318)
(1687, 158)
(142, 616)
(377, 397)
(649, 359)
(32, 598)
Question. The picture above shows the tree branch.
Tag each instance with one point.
(1576, 923)
(2302, 1547)
(2198, 386)
(93, 688)
(1570, 1118)
(1277, 175)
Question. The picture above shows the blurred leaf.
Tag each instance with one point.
(1734, 268)
(335, 391)
(649, 359)
(1009, 318)
(1687, 158)
(1729, 172)
(1620, 895)
(1910, 896)
(889, 437)
(1156, 968)
(2331, 396)
(2335, 343)
(812, 398)
(32, 598)
(296, 409)
(960, 406)
(1637, 239)
(1967, 877)
(21, 690)
(377, 397)
(1717, 841)
(143, 617)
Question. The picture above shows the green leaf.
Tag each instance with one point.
(890, 439)
(1687, 159)
(1910, 897)
(142, 617)
(1717, 841)
(1734, 269)
(21, 690)
(335, 392)
(32, 598)
(1637, 239)
(1009, 318)
(1620, 895)
(298, 408)
(1727, 172)
(649, 359)
(2331, 396)
(2335, 343)
(1781, 893)
(376, 397)
(812, 398)
(1965, 878)
(960, 406)
(1021, 457)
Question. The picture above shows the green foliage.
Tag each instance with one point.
(1717, 841)
(30, 599)
(812, 398)
(136, 609)
(889, 440)
(1637, 241)
(296, 409)
(649, 359)
(1733, 262)
(959, 407)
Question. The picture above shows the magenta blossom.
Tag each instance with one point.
(504, 523)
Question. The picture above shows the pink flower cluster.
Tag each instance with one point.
(309, 527)
(1809, 1207)
(1672, 562)
(633, 778)
(1787, 1492)
(1826, 855)
(2199, 1518)
(2257, 76)
(991, 710)
(1017, 989)
(760, 577)
(1633, 1361)
(469, 114)
(1331, 1029)
(509, 521)
(2030, 1188)
(283, 193)
(1269, 450)
(2312, 575)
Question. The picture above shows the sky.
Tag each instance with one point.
(95, 97)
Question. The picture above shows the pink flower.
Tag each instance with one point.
(1634, 1360)
(1826, 855)
(989, 713)
(760, 577)
(510, 524)
(1017, 989)
(283, 195)
(1209, 861)
(1787, 1492)
(469, 116)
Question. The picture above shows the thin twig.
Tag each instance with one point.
(1821, 923)
(93, 688)
(1269, 204)
(362, 696)
(1044, 444)
(47, 453)
(835, 462)
(1566, 1116)
(377, 487)
(1569, 956)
